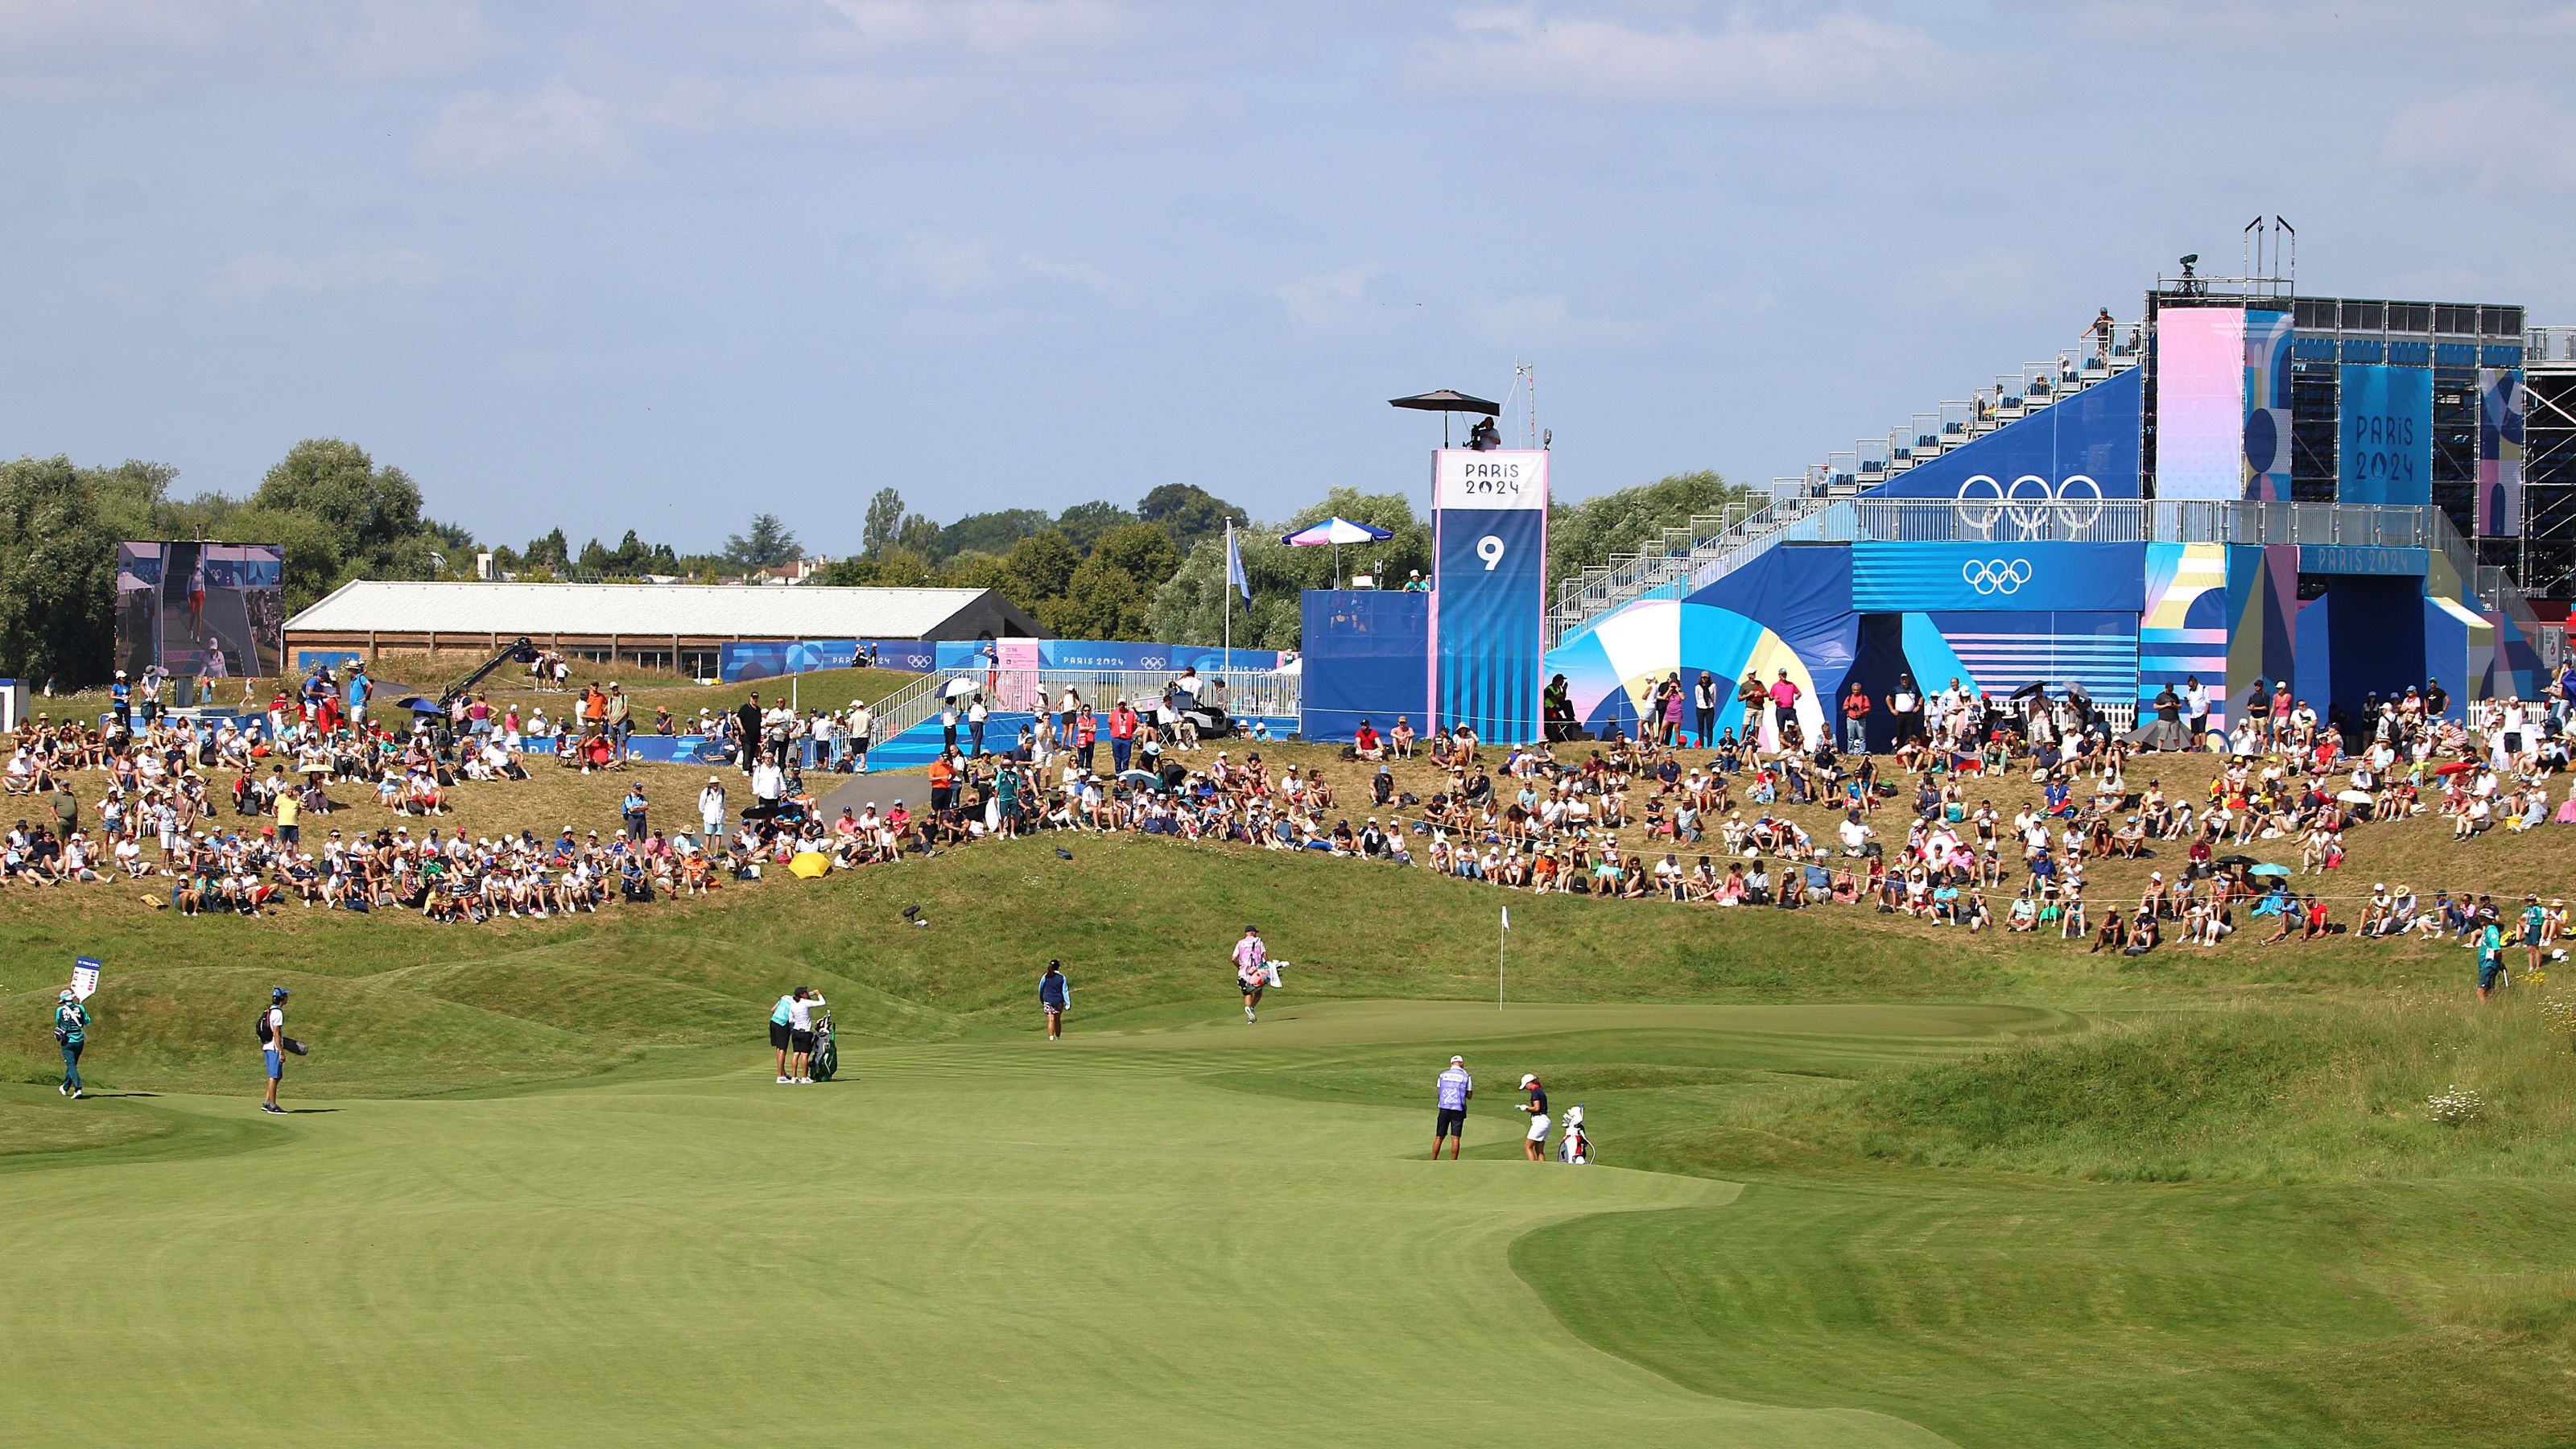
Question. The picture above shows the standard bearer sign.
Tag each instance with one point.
(84, 976)
(1489, 590)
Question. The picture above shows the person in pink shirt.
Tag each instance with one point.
(1251, 969)
(1784, 703)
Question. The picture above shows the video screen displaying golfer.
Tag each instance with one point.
(1534, 1146)
(1450, 1127)
(1054, 995)
(1251, 970)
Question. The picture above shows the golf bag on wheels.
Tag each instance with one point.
(827, 1056)
(1574, 1148)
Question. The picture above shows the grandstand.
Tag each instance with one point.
(2240, 485)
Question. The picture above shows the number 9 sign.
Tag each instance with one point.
(1490, 549)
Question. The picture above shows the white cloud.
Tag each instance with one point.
(260, 273)
(558, 134)
(987, 27)
(2500, 138)
(953, 269)
(1840, 60)
(407, 38)
(1332, 299)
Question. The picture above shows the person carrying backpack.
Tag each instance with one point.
(71, 1030)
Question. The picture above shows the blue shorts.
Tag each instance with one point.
(2489, 968)
(275, 1061)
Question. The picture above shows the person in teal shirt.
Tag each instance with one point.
(71, 1032)
(2490, 957)
(781, 1019)
(2535, 926)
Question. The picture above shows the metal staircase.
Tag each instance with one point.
(1714, 545)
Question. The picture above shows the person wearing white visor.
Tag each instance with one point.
(1534, 1146)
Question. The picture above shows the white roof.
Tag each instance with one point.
(807, 611)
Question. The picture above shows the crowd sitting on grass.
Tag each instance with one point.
(1550, 817)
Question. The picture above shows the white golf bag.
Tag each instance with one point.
(1574, 1146)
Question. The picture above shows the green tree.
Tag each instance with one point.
(1589, 532)
(848, 573)
(548, 552)
(364, 520)
(57, 572)
(992, 533)
(976, 570)
(920, 534)
(884, 526)
(1189, 513)
(1037, 570)
(1084, 523)
(901, 568)
(1111, 596)
(767, 545)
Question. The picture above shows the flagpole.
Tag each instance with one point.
(1229, 594)
(1501, 932)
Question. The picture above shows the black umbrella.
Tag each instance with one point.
(2238, 860)
(1446, 400)
(2027, 690)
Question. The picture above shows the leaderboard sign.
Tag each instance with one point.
(1489, 590)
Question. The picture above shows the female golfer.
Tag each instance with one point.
(1053, 996)
(1534, 1146)
(800, 1034)
(1251, 969)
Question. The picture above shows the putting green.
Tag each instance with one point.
(1093, 1243)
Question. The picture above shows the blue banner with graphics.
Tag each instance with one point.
(770, 659)
(1891, 578)
(1488, 620)
(2384, 449)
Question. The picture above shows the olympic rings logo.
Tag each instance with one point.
(2034, 506)
(1995, 576)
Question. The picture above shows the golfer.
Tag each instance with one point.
(71, 1029)
(780, 1017)
(1451, 1125)
(1534, 1146)
(1251, 969)
(1054, 995)
(272, 1046)
(800, 1034)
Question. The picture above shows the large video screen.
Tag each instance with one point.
(201, 610)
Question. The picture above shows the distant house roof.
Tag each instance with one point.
(808, 611)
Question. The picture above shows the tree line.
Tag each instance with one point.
(1095, 570)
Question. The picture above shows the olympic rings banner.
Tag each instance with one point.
(1999, 576)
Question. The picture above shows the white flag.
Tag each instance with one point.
(1507, 918)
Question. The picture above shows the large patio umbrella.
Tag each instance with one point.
(1336, 531)
(1444, 401)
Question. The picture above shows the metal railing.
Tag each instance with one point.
(1020, 691)
(2548, 344)
(1673, 568)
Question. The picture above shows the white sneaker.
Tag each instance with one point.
(782, 1081)
(1248, 1017)
(62, 1089)
(76, 1096)
(804, 1081)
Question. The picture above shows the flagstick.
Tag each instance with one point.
(1229, 593)
(1501, 934)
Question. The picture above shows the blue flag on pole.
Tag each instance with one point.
(1234, 574)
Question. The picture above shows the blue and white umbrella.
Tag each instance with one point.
(1336, 531)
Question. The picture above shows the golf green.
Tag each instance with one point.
(1108, 1241)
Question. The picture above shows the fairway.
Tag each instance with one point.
(1097, 1243)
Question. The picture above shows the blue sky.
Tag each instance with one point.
(656, 265)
